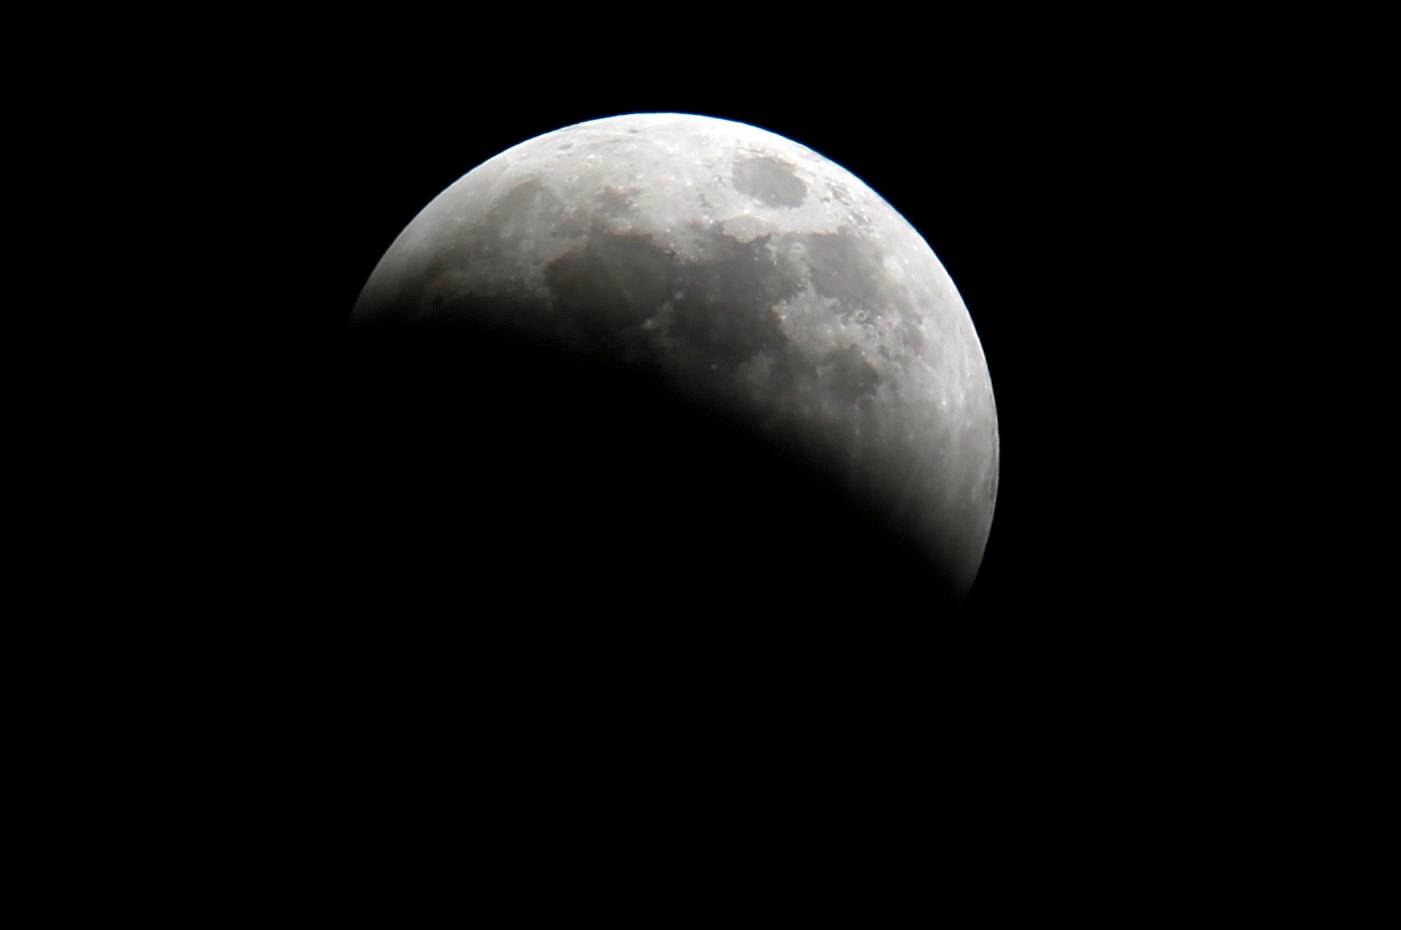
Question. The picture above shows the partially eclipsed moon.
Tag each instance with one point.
(754, 274)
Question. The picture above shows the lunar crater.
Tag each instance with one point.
(769, 180)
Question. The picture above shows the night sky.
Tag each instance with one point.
(465, 594)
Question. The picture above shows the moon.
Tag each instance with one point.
(751, 275)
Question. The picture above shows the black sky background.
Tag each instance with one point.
(408, 619)
(431, 623)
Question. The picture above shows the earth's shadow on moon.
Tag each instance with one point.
(483, 472)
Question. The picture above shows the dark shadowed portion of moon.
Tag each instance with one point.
(748, 274)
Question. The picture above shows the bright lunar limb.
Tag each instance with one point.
(752, 274)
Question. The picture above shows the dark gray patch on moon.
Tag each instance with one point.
(616, 203)
(610, 285)
(520, 209)
(847, 270)
(769, 181)
(491, 249)
(725, 311)
(849, 374)
(515, 216)
(710, 314)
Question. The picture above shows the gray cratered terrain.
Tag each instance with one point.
(754, 275)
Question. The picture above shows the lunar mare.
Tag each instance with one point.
(750, 272)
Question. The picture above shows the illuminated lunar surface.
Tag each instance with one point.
(754, 276)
